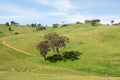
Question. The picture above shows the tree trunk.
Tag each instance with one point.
(57, 51)
(59, 56)
(44, 57)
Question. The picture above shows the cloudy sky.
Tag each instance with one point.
(57, 11)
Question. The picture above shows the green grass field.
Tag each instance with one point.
(99, 60)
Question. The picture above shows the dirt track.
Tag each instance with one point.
(14, 48)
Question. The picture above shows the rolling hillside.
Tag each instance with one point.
(99, 47)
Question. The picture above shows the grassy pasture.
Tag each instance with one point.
(99, 46)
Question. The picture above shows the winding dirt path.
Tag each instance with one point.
(14, 48)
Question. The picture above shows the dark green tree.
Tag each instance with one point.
(33, 25)
(95, 21)
(43, 47)
(38, 25)
(112, 21)
(55, 25)
(54, 41)
(7, 24)
(14, 23)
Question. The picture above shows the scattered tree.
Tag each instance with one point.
(54, 41)
(65, 25)
(33, 25)
(40, 28)
(88, 21)
(116, 24)
(9, 27)
(93, 22)
(78, 22)
(7, 24)
(112, 21)
(14, 23)
(43, 48)
(39, 25)
(55, 25)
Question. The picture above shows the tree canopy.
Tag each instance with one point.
(53, 41)
(43, 48)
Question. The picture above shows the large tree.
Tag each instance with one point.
(43, 48)
(54, 41)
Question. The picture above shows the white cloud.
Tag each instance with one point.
(26, 15)
(14, 9)
(43, 2)
(80, 17)
(61, 5)
(63, 10)
(55, 13)
(77, 17)
(22, 15)
(107, 19)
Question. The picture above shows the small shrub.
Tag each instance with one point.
(40, 28)
(78, 22)
(65, 25)
(55, 25)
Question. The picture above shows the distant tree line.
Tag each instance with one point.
(115, 24)
(12, 23)
(93, 22)
(38, 27)
(56, 25)
(8, 24)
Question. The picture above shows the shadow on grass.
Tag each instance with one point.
(72, 55)
(69, 55)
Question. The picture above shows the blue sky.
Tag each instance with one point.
(56, 11)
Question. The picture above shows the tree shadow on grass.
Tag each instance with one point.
(68, 55)
(54, 58)
(72, 55)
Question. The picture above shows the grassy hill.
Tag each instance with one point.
(98, 45)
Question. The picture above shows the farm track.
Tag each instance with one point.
(14, 48)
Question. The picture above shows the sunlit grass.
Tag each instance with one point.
(99, 46)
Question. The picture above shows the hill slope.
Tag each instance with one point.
(99, 46)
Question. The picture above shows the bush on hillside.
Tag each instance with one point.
(78, 22)
(55, 25)
(65, 25)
